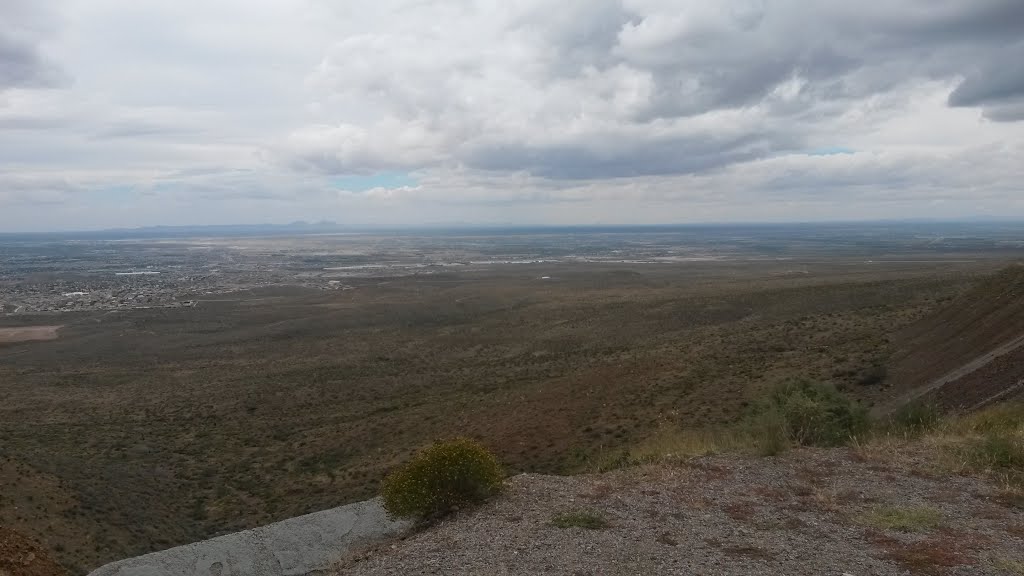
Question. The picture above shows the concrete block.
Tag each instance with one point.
(294, 547)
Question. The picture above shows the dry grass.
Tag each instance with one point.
(709, 470)
(1007, 417)
(1008, 566)
(670, 444)
(933, 554)
(586, 519)
(989, 442)
(902, 519)
(1011, 497)
(930, 557)
(600, 491)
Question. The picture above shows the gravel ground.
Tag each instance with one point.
(808, 512)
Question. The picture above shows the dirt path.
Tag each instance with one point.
(1002, 394)
(952, 376)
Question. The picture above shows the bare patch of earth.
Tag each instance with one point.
(28, 333)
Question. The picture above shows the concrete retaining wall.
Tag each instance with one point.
(294, 547)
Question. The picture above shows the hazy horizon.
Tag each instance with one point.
(329, 227)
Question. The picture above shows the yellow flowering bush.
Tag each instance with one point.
(447, 474)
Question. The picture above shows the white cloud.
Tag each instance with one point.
(503, 112)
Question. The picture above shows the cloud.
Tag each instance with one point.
(389, 144)
(650, 150)
(997, 85)
(631, 110)
(587, 91)
(23, 28)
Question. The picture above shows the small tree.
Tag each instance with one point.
(444, 475)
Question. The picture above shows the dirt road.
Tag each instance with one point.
(953, 375)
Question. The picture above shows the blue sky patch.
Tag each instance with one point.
(830, 151)
(361, 183)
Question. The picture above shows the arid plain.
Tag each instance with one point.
(141, 427)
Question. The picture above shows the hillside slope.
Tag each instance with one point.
(809, 512)
(141, 430)
(20, 556)
(972, 349)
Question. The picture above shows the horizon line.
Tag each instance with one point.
(328, 226)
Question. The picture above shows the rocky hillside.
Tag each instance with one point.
(884, 509)
(972, 350)
(917, 493)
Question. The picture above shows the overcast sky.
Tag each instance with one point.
(143, 112)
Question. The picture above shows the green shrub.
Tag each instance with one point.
(769, 432)
(813, 414)
(997, 451)
(447, 474)
(915, 418)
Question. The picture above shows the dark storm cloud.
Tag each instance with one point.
(997, 86)
(997, 83)
(22, 63)
(978, 20)
(611, 88)
(691, 154)
(741, 56)
(840, 54)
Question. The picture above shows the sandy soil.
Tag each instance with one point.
(26, 333)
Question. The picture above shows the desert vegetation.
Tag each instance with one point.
(274, 403)
(902, 518)
(989, 442)
(443, 477)
(586, 519)
(896, 499)
(806, 414)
